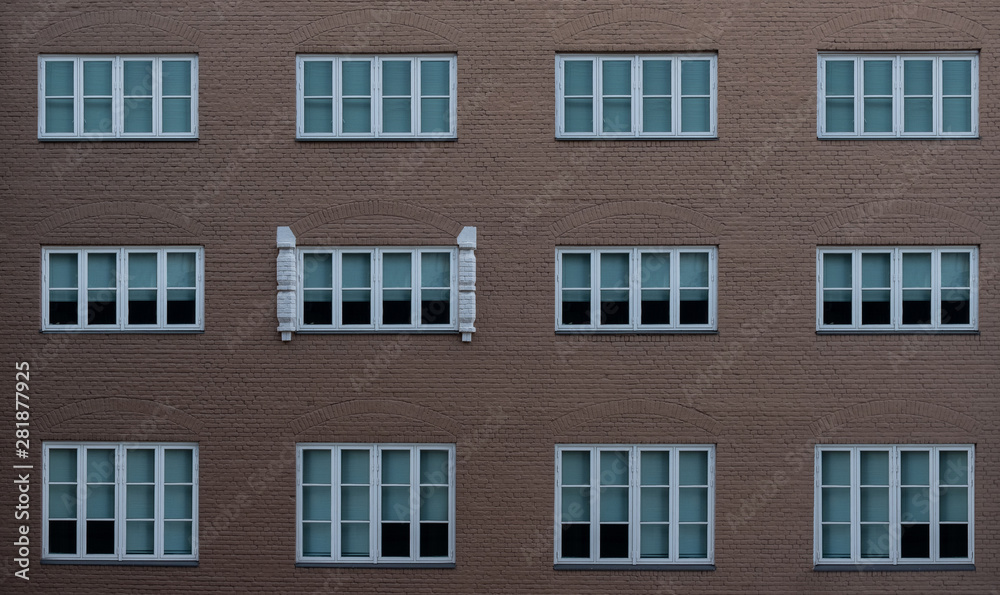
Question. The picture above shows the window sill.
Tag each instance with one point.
(375, 138)
(900, 332)
(120, 332)
(637, 332)
(891, 567)
(638, 138)
(187, 563)
(449, 331)
(373, 565)
(680, 567)
(870, 138)
(142, 139)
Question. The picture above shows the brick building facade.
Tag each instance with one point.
(748, 398)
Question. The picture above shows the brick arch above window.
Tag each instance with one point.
(835, 27)
(382, 408)
(580, 28)
(105, 209)
(565, 424)
(58, 35)
(371, 16)
(625, 208)
(863, 214)
(156, 412)
(830, 423)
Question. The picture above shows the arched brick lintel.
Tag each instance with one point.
(119, 404)
(894, 407)
(376, 16)
(120, 17)
(630, 14)
(655, 209)
(897, 207)
(563, 424)
(376, 207)
(377, 406)
(899, 11)
(101, 209)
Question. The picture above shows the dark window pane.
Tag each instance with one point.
(955, 312)
(354, 313)
(875, 313)
(614, 312)
(836, 312)
(62, 537)
(396, 312)
(915, 541)
(435, 312)
(575, 312)
(100, 537)
(576, 541)
(655, 312)
(916, 312)
(142, 312)
(614, 541)
(101, 312)
(954, 541)
(433, 539)
(62, 312)
(317, 313)
(180, 312)
(694, 312)
(396, 539)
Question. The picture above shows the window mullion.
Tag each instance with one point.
(937, 89)
(78, 97)
(595, 289)
(936, 288)
(897, 96)
(595, 504)
(415, 285)
(856, 289)
(377, 288)
(414, 503)
(633, 504)
(81, 504)
(121, 527)
(337, 264)
(636, 95)
(121, 299)
(634, 288)
(895, 494)
(856, 505)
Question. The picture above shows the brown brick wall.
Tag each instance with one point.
(766, 389)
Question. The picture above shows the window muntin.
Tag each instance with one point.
(359, 97)
(628, 96)
(635, 289)
(120, 501)
(895, 289)
(123, 289)
(894, 504)
(118, 97)
(898, 95)
(626, 504)
(376, 503)
(378, 289)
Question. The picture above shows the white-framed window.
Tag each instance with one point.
(908, 504)
(120, 501)
(630, 504)
(118, 97)
(625, 289)
(375, 503)
(898, 95)
(897, 289)
(381, 97)
(141, 288)
(636, 95)
(378, 289)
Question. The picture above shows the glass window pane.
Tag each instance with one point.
(62, 501)
(59, 115)
(954, 541)
(58, 78)
(63, 270)
(316, 466)
(579, 77)
(317, 77)
(318, 270)
(654, 467)
(354, 540)
(62, 464)
(918, 114)
(839, 77)
(656, 77)
(177, 502)
(693, 504)
(100, 537)
(97, 77)
(836, 541)
(176, 115)
(836, 467)
(617, 116)
(874, 468)
(616, 77)
(955, 269)
(875, 541)
(435, 77)
(953, 468)
(575, 467)
(435, 269)
(434, 467)
(614, 467)
(694, 269)
(97, 115)
(396, 270)
(956, 77)
(840, 114)
(434, 504)
(142, 270)
(139, 537)
(836, 505)
(575, 504)
(917, 270)
(914, 505)
(356, 79)
(396, 115)
(316, 503)
(138, 75)
(435, 115)
(396, 77)
(954, 505)
(878, 114)
(101, 270)
(181, 269)
(918, 77)
(654, 541)
(356, 271)
(396, 466)
(875, 271)
(178, 466)
(140, 465)
(656, 114)
(692, 541)
(316, 539)
(956, 114)
(693, 467)
(395, 503)
(177, 538)
(140, 502)
(318, 115)
(355, 466)
(579, 114)
(356, 115)
(100, 502)
(139, 115)
(100, 465)
(695, 114)
(696, 77)
(176, 77)
(576, 270)
(874, 504)
(614, 270)
(836, 271)
(654, 504)
(878, 77)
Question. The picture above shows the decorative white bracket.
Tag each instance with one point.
(288, 283)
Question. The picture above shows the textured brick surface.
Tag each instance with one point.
(766, 389)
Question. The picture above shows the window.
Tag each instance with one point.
(897, 289)
(120, 501)
(635, 289)
(898, 95)
(628, 96)
(894, 504)
(378, 289)
(122, 289)
(139, 97)
(376, 503)
(620, 504)
(358, 97)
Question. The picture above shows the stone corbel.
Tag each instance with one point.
(287, 283)
(467, 283)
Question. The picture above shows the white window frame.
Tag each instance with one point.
(896, 291)
(376, 97)
(376, 296)
(118, 98)
(636, 95)
(635, 290)
(895, 514)
(897, 94)
(634, 491)
(375, 557)
(120, 503)
(121, 268)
